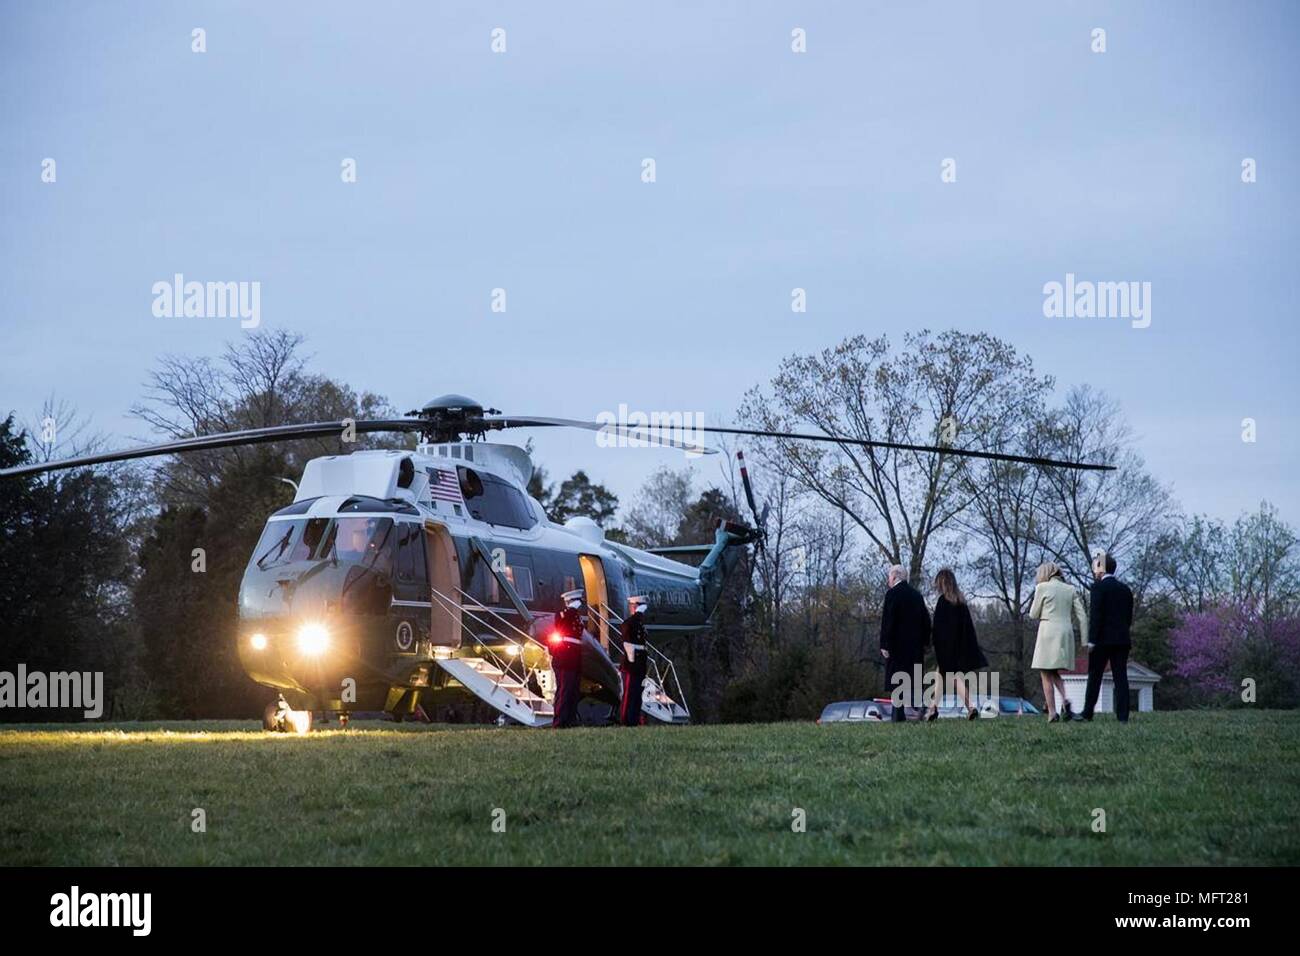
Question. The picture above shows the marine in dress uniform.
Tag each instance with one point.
(565, 643)
(633, 666)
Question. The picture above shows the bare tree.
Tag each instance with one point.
(781, 563)
(1003, 522)
(657, 512)
(60, 431)
(950, 388)
(1083, 512)
(259, 381)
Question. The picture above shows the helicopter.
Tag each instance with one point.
(398, 577)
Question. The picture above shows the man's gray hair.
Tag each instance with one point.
(898, 571)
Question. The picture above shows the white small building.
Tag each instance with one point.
(1141, 687)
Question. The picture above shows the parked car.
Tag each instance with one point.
(1015, 707)
(989, 707)
(882, 709)
(875, 710)
(852, 711)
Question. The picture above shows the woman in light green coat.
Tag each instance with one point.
(1054, 602)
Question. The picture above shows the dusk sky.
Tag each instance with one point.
(522, 170)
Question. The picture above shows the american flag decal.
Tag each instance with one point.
(444, 486)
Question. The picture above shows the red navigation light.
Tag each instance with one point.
(556, 637)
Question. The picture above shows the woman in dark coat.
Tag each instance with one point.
(955, 644)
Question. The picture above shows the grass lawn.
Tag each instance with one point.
(1177, 788)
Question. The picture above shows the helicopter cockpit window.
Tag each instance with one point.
(494, 500)
(361, 540)
(285, 541)
(313, 530)
(273, 548)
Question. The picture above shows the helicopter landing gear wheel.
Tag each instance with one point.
(271, 717)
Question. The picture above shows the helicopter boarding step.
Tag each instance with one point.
(656, 704)
(505, 692)
(656, 701)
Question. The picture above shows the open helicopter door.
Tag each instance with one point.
(593, 582)
(444, 578)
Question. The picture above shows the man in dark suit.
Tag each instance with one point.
(904, 636)
(1109, 619)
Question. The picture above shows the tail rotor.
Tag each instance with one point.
(760, 518)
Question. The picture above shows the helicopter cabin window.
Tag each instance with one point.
(411, 568)
(521, 579)
(494, 500)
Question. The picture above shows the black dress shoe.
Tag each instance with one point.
(1069, 712)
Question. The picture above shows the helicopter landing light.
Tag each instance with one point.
(313, 639)
(299, 721)
(257, 642)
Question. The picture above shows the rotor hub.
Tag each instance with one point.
(453, 417)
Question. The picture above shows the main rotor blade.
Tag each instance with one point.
(248, 436)
(610, 427)
(837, 439)
(903, 446)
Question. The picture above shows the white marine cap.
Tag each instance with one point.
(638, 600)
(574, 595)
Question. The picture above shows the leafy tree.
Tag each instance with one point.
(1254, 562)
(64, 572)
(1264, 563)
(1216, 651)
(578, 495)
